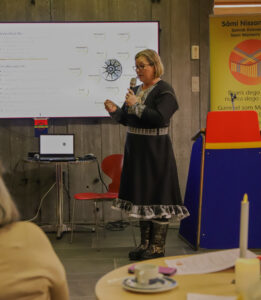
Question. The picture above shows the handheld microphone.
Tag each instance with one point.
(132, 86)
(233, 97)
(133, 82)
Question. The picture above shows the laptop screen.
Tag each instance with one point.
(57, 144)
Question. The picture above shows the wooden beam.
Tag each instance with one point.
(223, 7)
(231, 2)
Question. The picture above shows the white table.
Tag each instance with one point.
(109, 286)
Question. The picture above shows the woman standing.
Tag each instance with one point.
(149, 187)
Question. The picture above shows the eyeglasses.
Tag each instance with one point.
(141, 67)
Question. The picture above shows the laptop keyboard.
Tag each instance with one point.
(57, 158)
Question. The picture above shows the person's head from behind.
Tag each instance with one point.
(148, 65)
(8, 210)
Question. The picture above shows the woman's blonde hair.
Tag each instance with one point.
(8, 210)
(154, 60)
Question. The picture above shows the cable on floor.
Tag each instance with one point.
(117, 225)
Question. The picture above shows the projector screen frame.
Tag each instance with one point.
(125, 85)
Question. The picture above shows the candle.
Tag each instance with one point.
(247, 274)
(243, 243)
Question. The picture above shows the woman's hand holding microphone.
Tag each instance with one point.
(130, 98)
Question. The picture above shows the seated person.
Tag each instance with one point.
(29, 267)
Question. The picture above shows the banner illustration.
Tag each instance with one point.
(235, 63)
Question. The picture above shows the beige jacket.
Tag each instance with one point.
(29, 267)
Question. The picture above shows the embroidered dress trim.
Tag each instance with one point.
(148, 131)
(137, 109)
(148, 212)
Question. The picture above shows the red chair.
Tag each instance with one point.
(111, 166)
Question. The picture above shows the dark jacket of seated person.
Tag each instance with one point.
(29, 267)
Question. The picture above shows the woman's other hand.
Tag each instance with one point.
(110, 106)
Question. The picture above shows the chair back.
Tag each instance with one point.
(112, 167)
(232, 127)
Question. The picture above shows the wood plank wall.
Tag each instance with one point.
(183, 23)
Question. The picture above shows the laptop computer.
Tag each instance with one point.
(56, 147)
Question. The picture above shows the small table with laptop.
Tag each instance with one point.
(58, 150)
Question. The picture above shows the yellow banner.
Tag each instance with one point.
(235, 63)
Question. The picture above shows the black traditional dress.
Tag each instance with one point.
(149, 182)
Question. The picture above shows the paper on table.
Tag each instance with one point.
(207, 262)
(209, 297)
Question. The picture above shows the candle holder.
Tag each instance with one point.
(247, 275)
(255, 292)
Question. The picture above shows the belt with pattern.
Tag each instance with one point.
(148, 131)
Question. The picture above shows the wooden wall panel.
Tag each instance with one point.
(194, 13)
(181, 81)
(135, 10)
(15, 140)
(24, 10)
(161, 11)
(205, 9)
(182, 24)
(85, 10)
(20, 144)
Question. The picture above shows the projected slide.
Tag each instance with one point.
(68, 69)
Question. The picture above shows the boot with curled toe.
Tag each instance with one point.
(145, 229)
